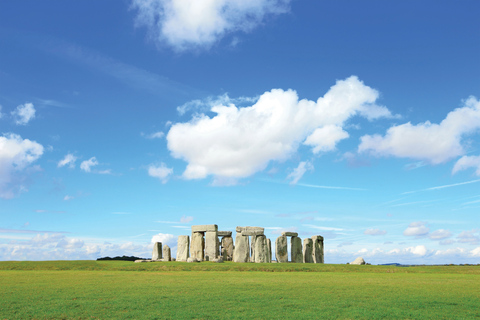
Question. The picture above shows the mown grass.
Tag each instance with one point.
(102, 290)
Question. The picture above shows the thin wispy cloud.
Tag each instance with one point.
(444, 186)
(329, 187)
(322, 228)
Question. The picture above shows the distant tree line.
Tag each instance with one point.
(123, 258)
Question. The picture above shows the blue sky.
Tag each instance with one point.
(126, 122)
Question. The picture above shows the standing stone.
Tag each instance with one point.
(211, 245)
(317, 249)
(167, 254)
(269, 250)
(307, 250)
(296, 249)
(183, 245)
(261, 250)
(252, 249)
(241, 253)
(197, 246)
(227, 248)
(281, 252)
(157, 251)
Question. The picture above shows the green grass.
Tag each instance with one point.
(126, 290)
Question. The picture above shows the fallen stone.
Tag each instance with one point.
(296, 250)
(261, 250)
(227, 248)
(290, 234)
(142, 260)
(317, 250)
(205, 228)
(281, 253)
(192, 260)
(211, 245)
(167, 254)
(307, 250)
(183, 245)
(218, 260)
(224, 233)
(157, 251)
(197, 246)
(241, 252)
(358, 261)
(250, 231)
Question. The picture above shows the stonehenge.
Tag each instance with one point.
(207, 243)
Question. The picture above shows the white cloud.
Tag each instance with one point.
(184, 24)
(186, 219)
(375, 232)
(418, 250)
(471, 237)
(16, 155)
(440, 234)
(435, 143)
(475, 252)
(467, 162)
(237, 142)
(68, 159)
(24, 113)
(198, 105)
(161, 172)
(165, 239)
(88, 164)
(299, 171)
(68, 198)
(155, 135)
(325, 138)
(416, 229)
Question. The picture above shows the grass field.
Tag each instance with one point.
(169, 290)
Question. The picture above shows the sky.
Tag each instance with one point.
(126, 122)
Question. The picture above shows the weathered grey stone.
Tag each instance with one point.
(317, 249)
(261, 250)
(296, 249)
(250, 231)
(142, 260)
(197, 246)
(227, 248)
(252, 248)
(224, 233)
(205, 228)
(218, 260)
(183, 246)
(281, 252)
(211, 245)
(241, 252)
(157, 251)
(269, 250)
(359, 260)
(192, 260)
(289, 234)
(307, 250)
(167, 254)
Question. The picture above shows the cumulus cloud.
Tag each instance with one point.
(471, 237)
(161, 172)
(237, 142)
(185, 24)
(69, 160)
(440, 234)
(16, 157)
(24, 113)
(204, 105)
(299, 171)
(88, 164)
(467, 162)
(417, 229)
(375, 232)
(435, 143)
(165, 239)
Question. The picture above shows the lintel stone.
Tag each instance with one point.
(224, 233)
(250, 231)
(290, 234)
(205, 228)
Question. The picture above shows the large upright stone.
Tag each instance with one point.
(167, 253)
(157, 251)
(241, 253)
(205, 228)
(317, 249)
(227, 248)
(197, 246)
(269, 250)
(250, 231)
(183, 246)
(307, 250)
(296, 249)
(281, 252)
(252, 248)
(261, 250)
(211, 245)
